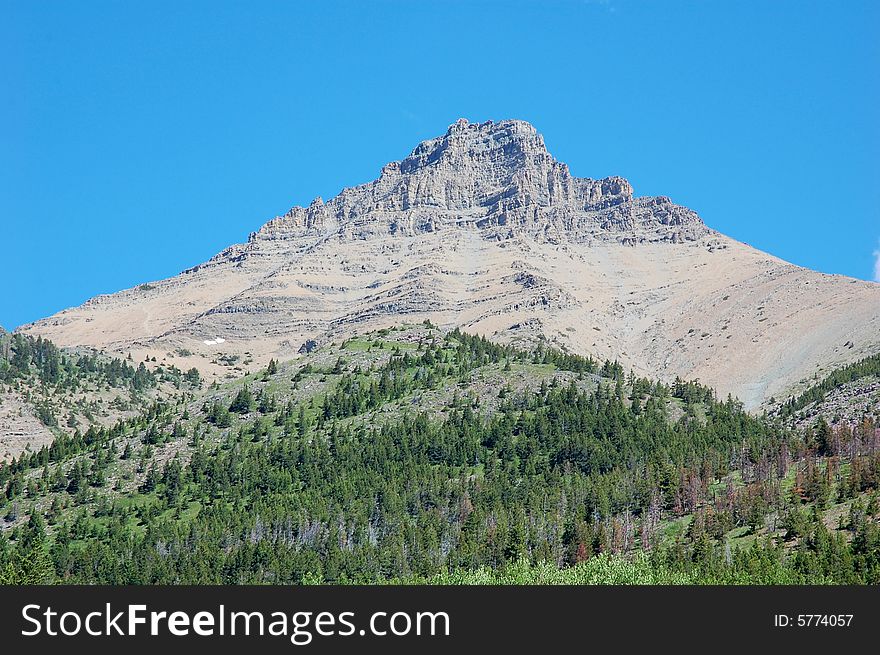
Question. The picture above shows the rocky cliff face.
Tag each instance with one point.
(482, 228)
(498, 178)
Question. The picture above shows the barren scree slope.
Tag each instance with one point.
(482, 228)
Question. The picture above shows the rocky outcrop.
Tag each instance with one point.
(491, 176)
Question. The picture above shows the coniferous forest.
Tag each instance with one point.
(410, 455)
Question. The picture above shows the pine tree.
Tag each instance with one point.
(243, 402)
(150, 481)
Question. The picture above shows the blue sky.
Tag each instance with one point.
(139, 139)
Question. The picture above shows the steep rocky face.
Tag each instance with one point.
(499, 178)
(482, 228)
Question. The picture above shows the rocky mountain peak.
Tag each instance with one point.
(498, 177)
(501, 147)
(483, 229)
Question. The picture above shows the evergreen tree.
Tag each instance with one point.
(243, 402)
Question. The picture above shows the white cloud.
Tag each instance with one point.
(877, 264)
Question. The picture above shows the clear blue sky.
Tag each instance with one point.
(137, 139)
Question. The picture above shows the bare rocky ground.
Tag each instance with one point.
(849, 404)
(20, 428)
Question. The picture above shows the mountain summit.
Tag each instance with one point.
(482, 228)
(499, 178)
